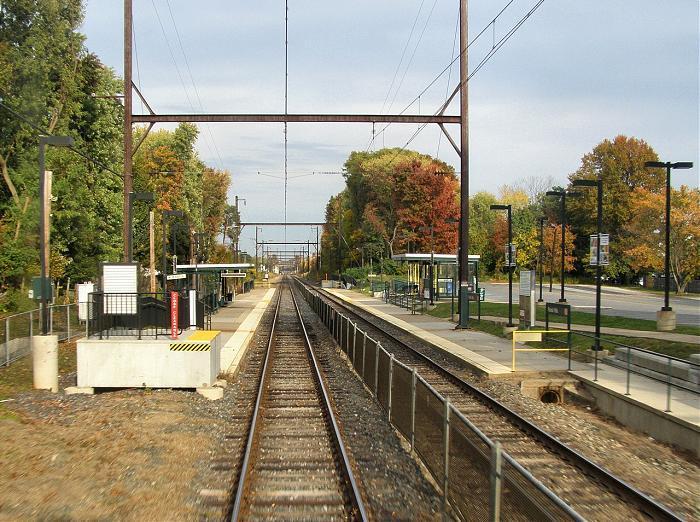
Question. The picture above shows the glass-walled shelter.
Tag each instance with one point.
(445, 275)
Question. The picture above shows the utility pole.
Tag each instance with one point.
(464, 279)
(128, 183)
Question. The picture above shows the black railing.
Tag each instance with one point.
(138, 315)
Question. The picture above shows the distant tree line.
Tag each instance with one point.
(394, 199)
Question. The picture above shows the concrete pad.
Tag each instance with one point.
(235, 347)
(221, 383)
(213, 393)
(79, 390)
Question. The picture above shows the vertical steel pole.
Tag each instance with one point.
(376, 369)
(464, 156)
(7, 341)
(539, 262)
(68, 321)
(446, 464)
(413, 408)
(128, 185)
(164, 261)
(667, 260)
(599, 268)
(391, 379)
(562, 299)
(496, 478)
(44, 237)
(510, 267)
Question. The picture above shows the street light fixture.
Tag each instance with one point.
(44, 220)
(166, 215)
(597, 183)
(666, 311)
(562, 195)
(135, 196)
(508, 208)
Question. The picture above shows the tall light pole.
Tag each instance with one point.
(598, 269)
(509, 258)
(667, 312)
(45, 220)
(541, 252)
(135, 196)
(431, 269)
(562, 194)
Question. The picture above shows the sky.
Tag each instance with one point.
(573, 74)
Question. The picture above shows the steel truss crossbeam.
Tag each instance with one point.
(294, 118)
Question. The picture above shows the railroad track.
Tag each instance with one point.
(592, 491)
(295, 466)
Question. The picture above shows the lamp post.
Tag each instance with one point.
(135, 196)
(508, 208)
(666, 319)
(598, 269)
(562, 194)
(166, 215)
(539, 261)
(44, 220)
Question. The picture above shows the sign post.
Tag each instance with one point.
(174, 310)
(526, 297)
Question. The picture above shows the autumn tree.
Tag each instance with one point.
(648, 227)
(620, 164)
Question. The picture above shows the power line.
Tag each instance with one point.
(194, 85)
(177, 68)
(413, 55)
(26, 120)
(443, 71)
(403, 53)
(495, 48)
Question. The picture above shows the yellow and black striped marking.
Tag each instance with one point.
(190, 347)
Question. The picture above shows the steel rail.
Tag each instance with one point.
(616, 485)
(356, 498)
(327, 404)
(256, 411)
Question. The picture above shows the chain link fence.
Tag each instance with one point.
(16, 330)
(478, 480)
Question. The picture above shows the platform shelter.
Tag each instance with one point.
(217, 281)
(443, 273)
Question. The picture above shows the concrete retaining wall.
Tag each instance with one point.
(639, 416)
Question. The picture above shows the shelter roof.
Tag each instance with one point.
(214, 267)
(440, 259)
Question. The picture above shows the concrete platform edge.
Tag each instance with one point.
(236, 347)
(642, 417)
(437, 342)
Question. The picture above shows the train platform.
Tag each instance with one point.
(238, 322)
(643, 407)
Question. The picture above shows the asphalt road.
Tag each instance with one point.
(623, 302)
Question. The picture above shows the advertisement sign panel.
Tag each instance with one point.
(513, 253)
(604, 249)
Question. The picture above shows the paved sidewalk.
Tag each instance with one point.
(491, 356)
(647, 334)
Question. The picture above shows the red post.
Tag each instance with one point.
(174, 308)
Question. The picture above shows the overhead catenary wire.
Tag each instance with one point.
(449, 79)
(194, 85)
(403, 54)
(177, 67)
(443, 71)
(495, 48)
